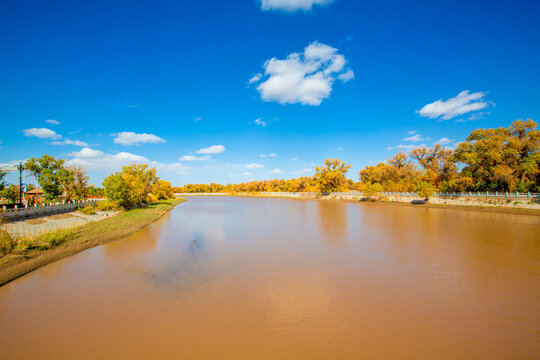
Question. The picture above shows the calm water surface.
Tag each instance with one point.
(253, 278)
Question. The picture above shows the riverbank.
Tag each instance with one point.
(62, 243)
(492, 204)
(40, 225)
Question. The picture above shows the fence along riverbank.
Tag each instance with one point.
(21, 212)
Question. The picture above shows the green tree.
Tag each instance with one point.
(50, 172)
(10, 193)
(2, 183)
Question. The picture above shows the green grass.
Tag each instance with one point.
(19, 256)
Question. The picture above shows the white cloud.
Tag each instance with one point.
(42, 133)
(339, 149)
(214, 149)
(443, 141)
(267, 155)
(307, 170)
(304, 78)
(98, 160)
(52, 122)
(251, 166)
(260, 123)
(346, 76)
(247, 173)
(292, 5)
(411, 132)
(197, 119)
(70, 142)
(294, 159)
(276, 171)
(255, 78)
(463, 103)
(414, 138)
(407, 147)
(195, 158)
(127, 138)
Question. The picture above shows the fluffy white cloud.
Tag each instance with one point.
(195, 158)
(443, 141)
(52, 122)
(42, 133)
(260, 123)
(292, 5)
(70, 142)
(247, 173)
(306, 78)
(267, 155)
(411, 132)
(251, 166)
(294, 159)
(276, 171)
(463, 103)
(98, 160)
(197, 119)
(214, 149)
(127, 138)
(414, 138)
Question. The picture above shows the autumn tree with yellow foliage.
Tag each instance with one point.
(135, 185)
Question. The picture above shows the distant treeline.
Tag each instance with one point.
(501, 159)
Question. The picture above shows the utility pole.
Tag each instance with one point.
(20, 182)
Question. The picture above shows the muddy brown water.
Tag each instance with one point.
(253, 278)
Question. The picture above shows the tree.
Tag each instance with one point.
(2, 183)
(331, 176)
(117, 190)
(49, 172)
(502, 158)
(10, 193)
(75, 182)
(162, 190)
(425, 189)
(437, 160)
(131, 186)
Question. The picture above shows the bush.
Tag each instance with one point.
(7, 243)
(106, 205)
(88, 210)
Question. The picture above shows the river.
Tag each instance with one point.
(258, 278)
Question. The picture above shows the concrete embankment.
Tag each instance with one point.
(491, 202)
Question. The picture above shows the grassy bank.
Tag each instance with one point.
(30, 253)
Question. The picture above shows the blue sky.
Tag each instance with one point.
(220, 83)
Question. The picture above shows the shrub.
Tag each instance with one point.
(106, 205)
(88, 210)
(7, 243)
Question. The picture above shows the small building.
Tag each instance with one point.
(34, 196)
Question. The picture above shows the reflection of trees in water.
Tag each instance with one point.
(333, 221)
